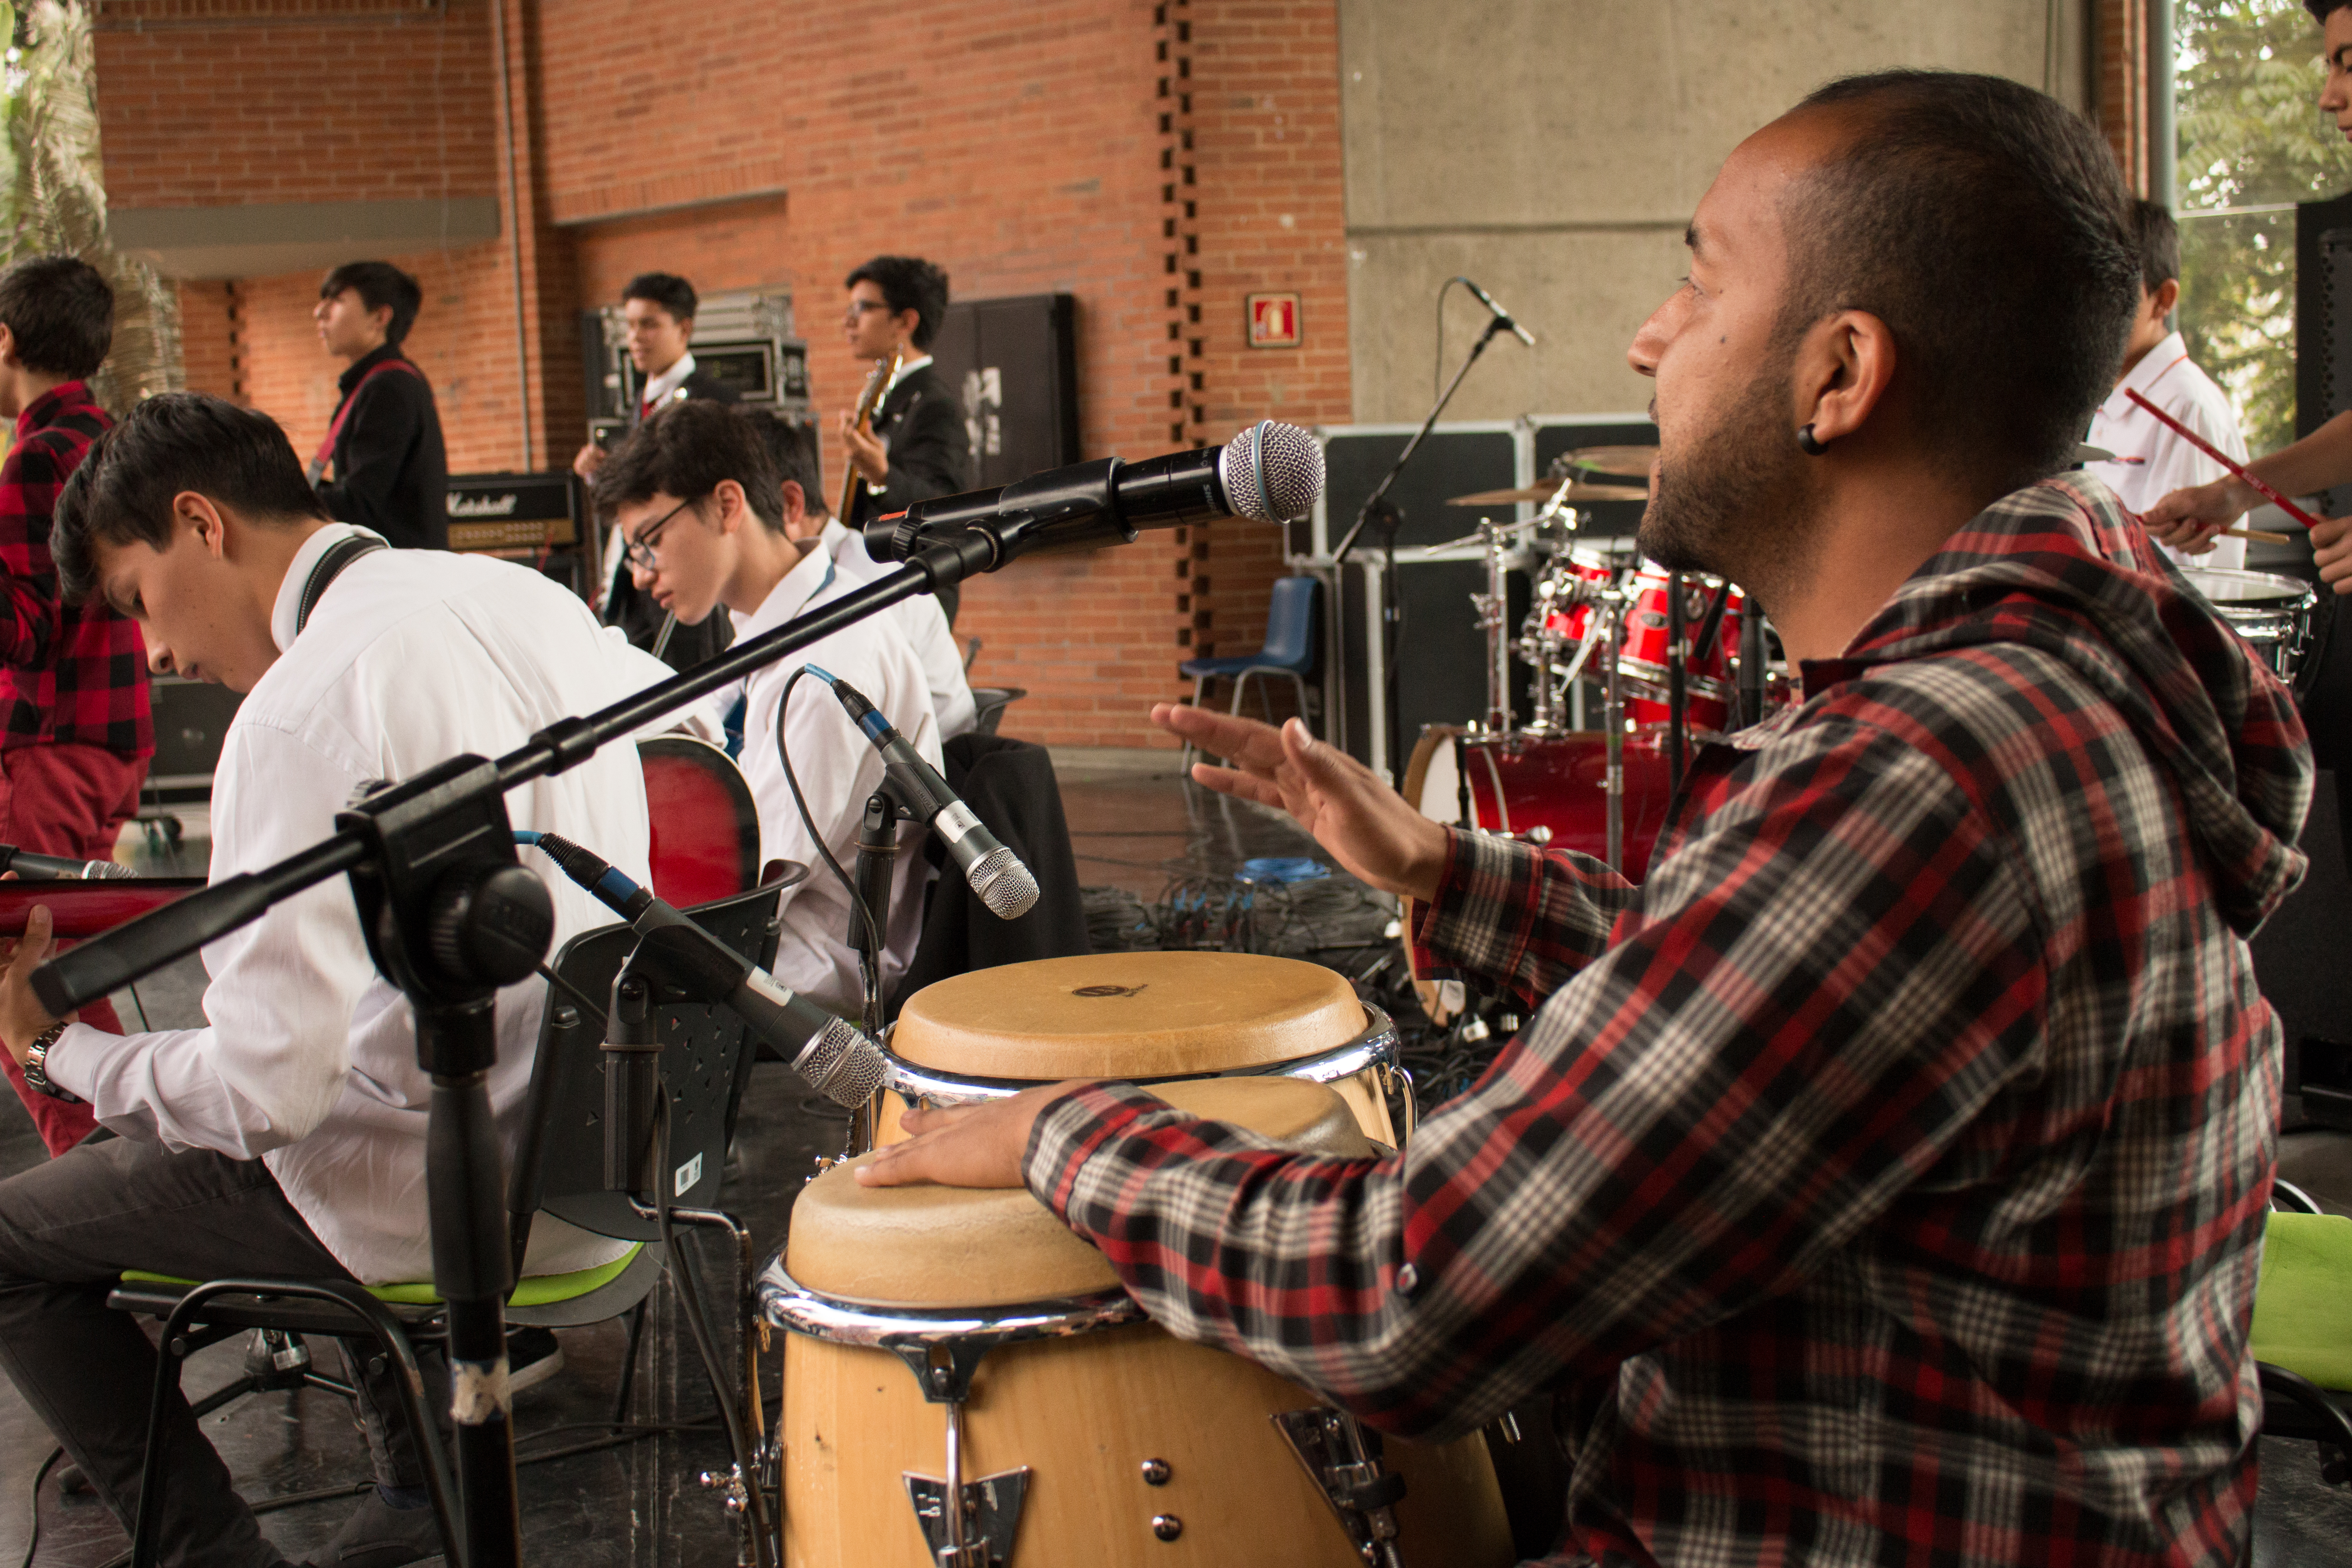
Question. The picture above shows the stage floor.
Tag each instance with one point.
(1146, 844)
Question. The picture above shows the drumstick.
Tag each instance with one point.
(2223, 458)
(2265, 534)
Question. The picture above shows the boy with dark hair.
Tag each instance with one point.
(701, 515)
(917, 447)
(73, 677)
(2152, 459)
(287, 1135)
(391, 471)
(658, 321)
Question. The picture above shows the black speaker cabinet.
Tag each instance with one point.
(1015, 363)
(191, 717)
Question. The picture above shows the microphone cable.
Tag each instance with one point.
(869, 964)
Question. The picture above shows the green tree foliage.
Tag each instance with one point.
(53, 191)
(2251, 135)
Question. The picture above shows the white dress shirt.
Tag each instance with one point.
(659, 388)
(838, 768)
(2167, 377)
(920, 620)
(307, 1059)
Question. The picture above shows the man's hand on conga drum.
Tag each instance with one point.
(965, 1145)
(2192, 518)
(1367, 828)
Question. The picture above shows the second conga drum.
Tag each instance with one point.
(1145, 1017)
(939, 1333)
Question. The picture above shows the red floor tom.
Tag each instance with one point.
(1559, 782)
(1709, 687)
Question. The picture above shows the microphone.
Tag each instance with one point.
(49, 868)
(998, 878)
(1269, 473)
(838, 1061)
(1501, 315)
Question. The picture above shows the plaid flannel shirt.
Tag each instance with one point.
(1882, 1181)
(69, 674)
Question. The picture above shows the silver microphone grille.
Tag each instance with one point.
(841, 1064)
(1003, 884)
(1271, 472)
(105, 871)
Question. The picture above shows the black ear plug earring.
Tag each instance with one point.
(1813, 445)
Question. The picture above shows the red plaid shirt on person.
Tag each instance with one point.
(68, 673)
(1883, 1182)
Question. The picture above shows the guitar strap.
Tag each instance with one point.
(326, 453)
(328, 567)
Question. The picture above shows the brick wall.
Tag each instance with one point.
(1158, 159)
(2121, 86)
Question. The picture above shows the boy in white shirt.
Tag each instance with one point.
(699, 505)
(2152, 460)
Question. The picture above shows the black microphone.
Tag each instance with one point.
(49, 868)
(1509, 320)
(1269, 473)
(837, 1060)
(998, 878)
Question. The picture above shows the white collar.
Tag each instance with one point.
(905, 370)
(2153, 365)
(789, 595)
(285, 611)
(667, 382)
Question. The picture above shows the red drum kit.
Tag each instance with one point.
(1677, 656)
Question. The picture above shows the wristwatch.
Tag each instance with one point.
(36, 1065)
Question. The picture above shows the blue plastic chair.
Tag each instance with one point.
(1292, 651)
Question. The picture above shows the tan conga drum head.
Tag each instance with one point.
(1108, 1442)
(1144, 1018)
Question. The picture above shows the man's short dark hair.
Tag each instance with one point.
(62, 313)
(668, 290)
(2156, 240)
(1985, 224)
(684, 451)
(236, 457)
(908, 283)
(380, 285)
(791, 448)
(2322, 9)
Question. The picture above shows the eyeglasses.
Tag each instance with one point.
(858, 308)
(640, 550)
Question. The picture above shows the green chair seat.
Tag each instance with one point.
(2303, 1304)
(535, 1291)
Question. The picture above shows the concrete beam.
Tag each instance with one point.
(264, 240)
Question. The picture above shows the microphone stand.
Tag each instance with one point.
(877, 857)
(1378, 506)
(450, 915)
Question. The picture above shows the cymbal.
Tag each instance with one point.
(1577, 493)
(1630, 462)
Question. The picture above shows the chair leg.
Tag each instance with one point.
(1200, 699)
(1299, 681)
(629, 1361)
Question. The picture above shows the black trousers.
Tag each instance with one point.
(66, 1230)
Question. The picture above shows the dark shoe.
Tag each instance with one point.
(378, 1535)
(533, 1355)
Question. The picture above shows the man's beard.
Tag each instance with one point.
(1737, 503)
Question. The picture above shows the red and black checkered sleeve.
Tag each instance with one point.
(30, 479)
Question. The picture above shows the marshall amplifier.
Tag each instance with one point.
(513, 512)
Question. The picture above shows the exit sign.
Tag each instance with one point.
(1274, 321)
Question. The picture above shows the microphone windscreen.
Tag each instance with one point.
(841, 1064)
(1003, 884)
(1271, 472)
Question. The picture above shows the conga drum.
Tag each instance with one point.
(1145, 1017)
(946, 1343)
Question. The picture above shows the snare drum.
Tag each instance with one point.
(1568, 590)
(2272, 613)
(1706, 688)
(1145, 1017)
(946, 1342)
(1555, 782)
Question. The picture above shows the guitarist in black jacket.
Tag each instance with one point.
(916, 447)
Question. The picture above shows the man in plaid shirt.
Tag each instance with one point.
(75, 740)
(1884, 1179)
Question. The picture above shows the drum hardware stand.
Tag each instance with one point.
(1493, 611)
(1343, 1459)
(1677, 684)
(1751, 664)
(1611, 624)
(1378, 503)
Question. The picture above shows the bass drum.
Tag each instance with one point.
(1558, 782)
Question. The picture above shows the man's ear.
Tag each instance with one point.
(203, 519)
(8, 347)
(1843, 368)
(2166, 296)
(734, 506)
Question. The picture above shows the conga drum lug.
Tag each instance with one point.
(1343, 1461)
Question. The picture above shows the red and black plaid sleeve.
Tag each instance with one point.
(1886, 1185)
(69, 674)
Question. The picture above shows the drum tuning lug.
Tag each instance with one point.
(1343, 1461)
(1156, 1472)
(1474, 1031)
(1167, 1526)
(992, 1517)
